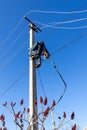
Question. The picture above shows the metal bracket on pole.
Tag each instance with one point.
(35, 28)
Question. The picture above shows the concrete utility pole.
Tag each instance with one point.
(53, 122)
(32, 85)
(32, 81)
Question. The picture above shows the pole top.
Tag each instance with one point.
(35, 27)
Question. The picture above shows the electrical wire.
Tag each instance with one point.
(56, 69)
(56, 12)
(41, 83)
(38, 11)
(69, 43)
(12, 85)
(68, 21)
(55, 51)
(65, 85)
(11, 57)
(10, 34)
(60, 27)
(61, 22)
(12, 43)
(53, 24)
(46, 25)
(67, 28)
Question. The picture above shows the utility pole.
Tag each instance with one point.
(32, 84)
(53, 122)
(32, 81)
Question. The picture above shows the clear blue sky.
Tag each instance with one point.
(71, 61)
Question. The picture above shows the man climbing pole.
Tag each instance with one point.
(37, 51)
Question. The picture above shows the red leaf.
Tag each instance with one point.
(21, 102)
(72, 116)
(53, 103)
(2, 117)
(46, 111)
(12, 104)
(74, 127)
(64, 115)
(5, 104)
(28, 110)
(5, 128)
(17, 115)
(41, 99)
(45, 101)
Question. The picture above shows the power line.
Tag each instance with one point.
(69, 43)
(56, 12)
(68, 21)
(12, 43)
(53, 24)
(61, 77)
(41, 83)
(38, 11)
(11, 57)
(67, 28)
(56, 69)
(61, 22)
(10, 34)
(65, 85)
(60, 27)
(12, 85)
(46, 25)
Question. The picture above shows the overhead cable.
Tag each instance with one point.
(56, 12)
(11, 57)
(68, 21)
(61, 22)
(67, 28)
(56, 69)
(60, 27)
(41, 84)
(64, 83)
(10, 34)
(13, 84)
(39, 11)
(69, 43)
(4, 52)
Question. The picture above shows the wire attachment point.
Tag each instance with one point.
(35, 28)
